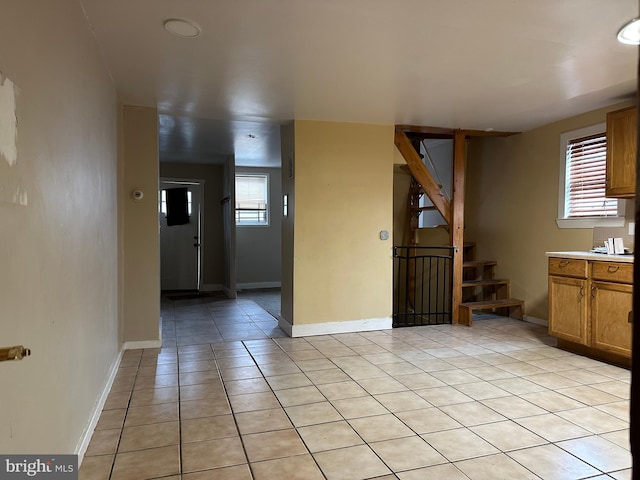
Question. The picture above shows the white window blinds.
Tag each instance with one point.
(252, 199)
(585, 178)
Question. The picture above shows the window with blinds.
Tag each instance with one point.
(252, 194)
(585, 178)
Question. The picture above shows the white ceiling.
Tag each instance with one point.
(503, 64)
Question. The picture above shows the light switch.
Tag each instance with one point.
(632, 228)
(384, 235)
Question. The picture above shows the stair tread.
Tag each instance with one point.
(479, 263)
(503, 302)
(486, 281)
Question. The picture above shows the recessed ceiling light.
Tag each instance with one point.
(182, 28)
(630, 33)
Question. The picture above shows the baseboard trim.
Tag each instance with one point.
(142, 344)
(85, 438)
(211, 287)
(536, 320)
(328, 328)
(254, 285)
(232, 294)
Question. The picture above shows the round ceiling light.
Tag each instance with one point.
(182, 28)
(630, 33)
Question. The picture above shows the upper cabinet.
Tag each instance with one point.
(621, 153)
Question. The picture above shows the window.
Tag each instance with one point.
(582, 202)
(252, 195)
(163, 202)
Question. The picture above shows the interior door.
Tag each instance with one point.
(180, 244)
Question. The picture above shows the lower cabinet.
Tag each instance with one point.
(568, 309)
(611, 304)
(590, 305)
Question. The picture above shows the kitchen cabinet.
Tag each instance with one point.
(621, 153)
(611, 304)
(568, 299)
(590, 302)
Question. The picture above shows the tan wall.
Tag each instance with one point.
(344, 198)
(59, 260)
(512, 205)
(287, 148)
(213, 251)
(141, 301)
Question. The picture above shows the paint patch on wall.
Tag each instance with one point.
(8, 121)
(12, 188)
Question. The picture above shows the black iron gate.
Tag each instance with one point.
(423, 281)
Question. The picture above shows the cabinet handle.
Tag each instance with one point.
(630, 317)
(581, 291)
(593, 292)
(564, 263)
(613, 268)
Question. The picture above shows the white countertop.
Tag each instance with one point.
(602, 257)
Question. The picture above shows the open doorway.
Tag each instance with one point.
(181, 239)
(258, 219)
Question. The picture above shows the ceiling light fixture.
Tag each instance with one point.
(629, 34)
(182, 28)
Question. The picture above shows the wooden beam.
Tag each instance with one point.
(457, 224)
(442, 132)
(487, 133)
(422, 175)
(426, 130)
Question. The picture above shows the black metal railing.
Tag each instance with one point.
(423, 281)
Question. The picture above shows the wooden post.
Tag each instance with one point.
(457, 220)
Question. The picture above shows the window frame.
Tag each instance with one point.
(267, 178)
(581, 222)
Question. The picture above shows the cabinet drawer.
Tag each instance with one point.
(568, 267)
(612, 272)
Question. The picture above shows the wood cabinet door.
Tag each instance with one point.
(610, 307)
(568, 309)
(621, 153)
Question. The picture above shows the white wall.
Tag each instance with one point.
(258, 247)
(58, 253)
(441, 153)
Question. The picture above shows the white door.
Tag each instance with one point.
(180, 244)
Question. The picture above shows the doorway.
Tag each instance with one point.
(181, 242)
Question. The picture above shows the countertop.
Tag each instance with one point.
(602, 257)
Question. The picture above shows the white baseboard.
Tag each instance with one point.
(536, 320)
(327, 328)
(142, 344)
(85, 438)
(254, 285)
(211, 287)
(230, 293)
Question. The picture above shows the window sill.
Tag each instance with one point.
(590, 222)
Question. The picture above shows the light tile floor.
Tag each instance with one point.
(230, 397)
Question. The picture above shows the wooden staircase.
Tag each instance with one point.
(482, 291)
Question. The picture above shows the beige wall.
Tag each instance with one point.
(141, 290)
(512, 204)
(59, 260)
(343, 199)
(213, 251)
(287, 150)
